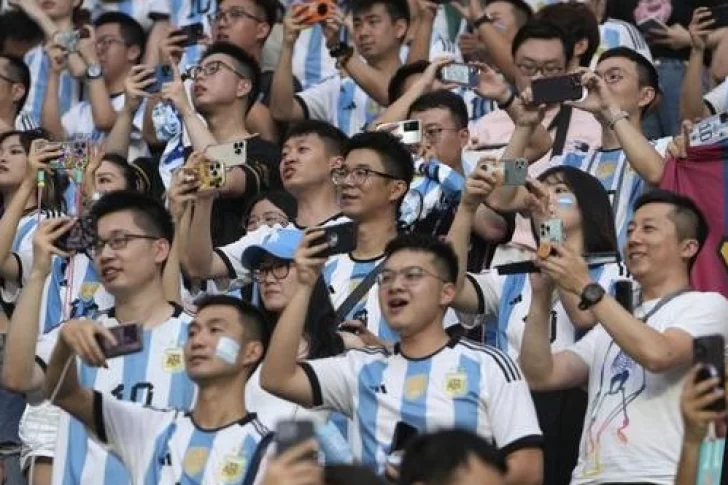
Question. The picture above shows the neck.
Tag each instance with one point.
(146, 305)
(609, 138)
(219, 404)
(228, 124)
(116, 86)
(425, 342)
(10, 193)
(373, 236)
(664, 284)
(7, 117)
(388, 63)
(317, 205)
(64, 24)
(575, 241)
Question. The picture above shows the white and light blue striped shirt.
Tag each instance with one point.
(182, 13)
(69, 93)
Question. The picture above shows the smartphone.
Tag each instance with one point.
(316, 11)
(68, 40)
(341, 239)
(461, 74)
(79, 238)
(75, 156)
(720, 16)
(554, 90)
(623, 293)
(404, 434)
(162, 74)
(229, 154)
(553, 231)
(409, 132)
(129, 337)
(211, 175)
(290, 433)
(194, 33)
(710, 131)
(709, 352)
(515, 172)
(651, 24)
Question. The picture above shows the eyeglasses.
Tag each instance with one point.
(117, 242)
(433, 134)
(209, 69)
(233, 14)
(278, 270)
(411, 276)
(612, 75)
(270, 219)
(531, 69)
(105, 42)
(359, 175)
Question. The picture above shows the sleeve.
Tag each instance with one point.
(10, 291)
(333, 380)
(509, 405)
(44, 347)
(319, 101)
(232, 254)
(69, 120)
(138, 122)
(158, 9)
(129, 429)
(489, 287)
(585, 348)
(716, 98)
(701, 314)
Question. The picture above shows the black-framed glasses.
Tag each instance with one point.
(117, 242)
(279, 270)
(359, 175)
(233, 15)
(433, 134)
(532, 68)
(411, 275)
(209, 69)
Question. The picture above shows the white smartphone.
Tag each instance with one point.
(409, 132)
(229, 154)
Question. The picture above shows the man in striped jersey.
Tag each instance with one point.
(218, 440)
(430, 381)
(621, 90)
(134, 239)
(14, 87)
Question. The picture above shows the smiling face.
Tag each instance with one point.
(13, 163)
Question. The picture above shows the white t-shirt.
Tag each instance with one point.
(717, 98)
(633, 429)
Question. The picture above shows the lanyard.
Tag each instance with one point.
(664, 301)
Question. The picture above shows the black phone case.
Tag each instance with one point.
(129, 338)
(403, 435)
(709, 352)
(553, 90)
(80, 238)
(194, 33)
(623, 294)
(341, 239)
(291, 433)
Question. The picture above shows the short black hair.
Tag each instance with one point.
(397, 9)
(578, 21)
(334, 139)
(350, 475)
(396, 158)
(131, 31)
(442, 252)
(542, 30)
(395, 90)
(134, 177)
(270, 9)
(432, 459)
(245, 63)
(522, 10)
(19, 71)
(255, 323)
(149, 213)
(16, 25)
(279, 198)
(647, 75)
(690, 222)
(442, 98)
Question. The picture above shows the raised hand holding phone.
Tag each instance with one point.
(136, 86)
(695, 402)
(175, 92)
(44, 247)
(308, 259)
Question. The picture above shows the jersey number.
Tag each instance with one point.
(199, 8)
(141, 392)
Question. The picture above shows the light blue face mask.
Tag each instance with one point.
(227, 350)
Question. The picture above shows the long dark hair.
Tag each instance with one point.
(597, 217)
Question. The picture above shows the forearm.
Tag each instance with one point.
(582, 320)
(67, 389)
(459, 238)
(119, 138)
(372, 81)
(151, 53)
(260, 121)
(499, 49)
(536, 359)
(640, 153)
(172, 276)
(419, 49)
(200, 136)
(197, 261)
(691, 94)
(148, 131)
(12, 215)
(509, 198)
(687, 468)
(539, 144)
(282, 91)
(19, 366)
(489, 225)
(50, 117)
(102, 111)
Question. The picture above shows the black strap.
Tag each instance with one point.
(561, 123)
(254, 465)
(358, 293)
(664, 301)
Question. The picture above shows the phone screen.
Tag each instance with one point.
(129, 338)
(290, 433)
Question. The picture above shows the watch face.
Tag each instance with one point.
(593, 292)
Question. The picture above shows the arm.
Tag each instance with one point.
(172, 275)
(9, 270)
(102, 111)
(260, 121)
(33, 10)
(419, 49)
(200, 261)
(525, 467)
(70, 396)
(283, 104)
(488, 224)
(175, 93)
(50, 117)
(692, 105)
(157, 34)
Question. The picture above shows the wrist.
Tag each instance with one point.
(506, 98)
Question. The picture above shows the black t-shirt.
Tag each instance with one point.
(266, 79)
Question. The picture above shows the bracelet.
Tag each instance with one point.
(508, 102)
(483, 19)
(622, 115)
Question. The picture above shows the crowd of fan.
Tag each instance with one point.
(223, 260)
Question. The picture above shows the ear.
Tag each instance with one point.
(397, 190)
(253, 353)
(133, 53)
(688, 249)
(581, 47)
(400, 29)
(447, 295)
(162, 249)
(647, 96)
(244, 87)
(336, 162)
(464, 135)
(18, 92)
(262, 31)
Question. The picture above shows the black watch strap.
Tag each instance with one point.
(591, 295)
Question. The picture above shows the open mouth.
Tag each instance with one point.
(396, 305)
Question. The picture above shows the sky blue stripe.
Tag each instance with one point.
(512, 288)
(414, 405)
(161, 448)
(346, 106)
(312, 70)
(341, 422)
(77, 445)
(23, 232)
(466, 406)
(370, 378)
(54, 305)
(40, 82)
(199, 439)
(182, 390)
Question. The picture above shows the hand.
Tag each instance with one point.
(81, 335)
(293, 467)
(693, 403)
(358, 328)
(175, 93)
(30, 7)
(58, 58)
(541, 284)
(599, 100)
(191, 178)
(332, 28)
(44, 243)
(170, 49)
(525, 113)
(567, 268)
(699, 28)
(470, 10)
(97, 152)
(182, 193)
(480, 184)
(537, 202)
(678, 147)
(433, 70)
(491, 84)
(293, 25)
(675, 37)
(471, 47)
(140, 77)
(308, 263)
(41, 152)
(427, 10)
(87, 46)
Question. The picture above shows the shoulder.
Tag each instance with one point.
(495, 360)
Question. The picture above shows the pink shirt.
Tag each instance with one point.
(496, 128)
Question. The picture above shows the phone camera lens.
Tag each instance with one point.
(323, 9)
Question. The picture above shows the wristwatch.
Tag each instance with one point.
(93, 71)
(590, 296)
(483, 19)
